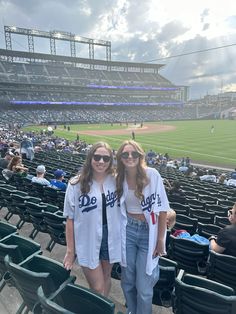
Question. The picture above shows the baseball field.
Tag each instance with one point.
(209, 142)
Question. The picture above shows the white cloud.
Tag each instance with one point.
(142, 31)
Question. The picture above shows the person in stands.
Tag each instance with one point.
(58, 182)
(39, 178)
(93, 219)
(144, 207)
(225, 242)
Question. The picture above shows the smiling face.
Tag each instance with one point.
(100, 165)
(130, 156)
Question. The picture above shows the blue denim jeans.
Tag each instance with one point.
(104, 253)
(137, 286)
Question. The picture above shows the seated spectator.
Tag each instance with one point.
(58, 181)
(39, 178)
(222, 179)
(15, 165)
(225, 242)
(233, 175)
(5, 161)
(176, 190)
(209, 177)
(231, 182)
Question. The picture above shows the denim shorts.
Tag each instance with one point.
(104, 253)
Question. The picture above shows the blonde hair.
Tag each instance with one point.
(86, 175)
(141, 176)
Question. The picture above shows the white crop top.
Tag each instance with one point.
(132, 203)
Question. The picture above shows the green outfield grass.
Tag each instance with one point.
(190, 138)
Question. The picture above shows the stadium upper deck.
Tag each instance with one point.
(43, 78)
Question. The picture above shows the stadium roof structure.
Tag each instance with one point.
(32, 56)
(14, 55)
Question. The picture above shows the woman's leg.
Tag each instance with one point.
(128, 274)
(144, 282)
(95, 278)
(106, 267)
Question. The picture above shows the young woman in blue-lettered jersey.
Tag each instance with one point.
(93, 219)
(144, 207)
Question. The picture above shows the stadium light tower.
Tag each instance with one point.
(56, 35)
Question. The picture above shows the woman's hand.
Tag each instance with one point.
(160, 248)
(69, 261)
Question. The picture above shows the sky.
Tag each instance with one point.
(194, 40)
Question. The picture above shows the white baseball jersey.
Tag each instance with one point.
(155, 200)
(86, 211)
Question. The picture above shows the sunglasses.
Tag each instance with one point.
(134, 154)
(104, 157)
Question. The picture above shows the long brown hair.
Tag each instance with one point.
(141, 176)
(14, 161)
(86, 175)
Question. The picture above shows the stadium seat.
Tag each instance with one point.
(221, 221)
(35, 212)
(198, 295)
(50, 195)
(187, 223)
(190, 255)
(222, 268)
(5, 192)
(74, 299)
(162, 291)
(6, 229)
(219, 210)
(207, 230)
(196, 204)
(202, 215)
(34, 272)
(17, 207)
(18, 248)
(55, 223)
(180, 208)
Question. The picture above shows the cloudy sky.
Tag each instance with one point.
(195, 40)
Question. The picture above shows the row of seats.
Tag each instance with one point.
(44, 217)
(44, 284)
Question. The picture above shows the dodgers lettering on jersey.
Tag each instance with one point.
(87, 203)
(149, 201)
(111, 198)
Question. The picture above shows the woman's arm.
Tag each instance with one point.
(160, 246)
(70, 245)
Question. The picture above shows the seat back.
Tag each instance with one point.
(202, 215)
(18, 248)
(198, 295)
(162, 291)
(190, 256)
(185, 222)
(35, 272)
(6, 229)
(207, 230)
(75, 299)
(222, 268)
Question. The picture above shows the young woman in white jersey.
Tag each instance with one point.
(93, 219)
(144, 207)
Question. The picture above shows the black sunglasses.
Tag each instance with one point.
(134, 154)
(104, 157)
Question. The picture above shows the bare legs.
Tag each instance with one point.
(99, 279)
